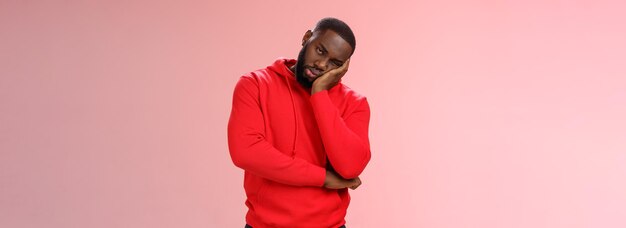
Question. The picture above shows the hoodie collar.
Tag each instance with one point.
(281, 67)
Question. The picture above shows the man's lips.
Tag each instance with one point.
(311, 72)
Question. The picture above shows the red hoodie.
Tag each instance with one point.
(283, 138)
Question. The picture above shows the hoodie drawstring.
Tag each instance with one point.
(295, 117)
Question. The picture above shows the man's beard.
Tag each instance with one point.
(300, 69)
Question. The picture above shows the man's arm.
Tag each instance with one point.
(346, 140)
(250, 150)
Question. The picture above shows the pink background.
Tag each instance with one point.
(484, 114)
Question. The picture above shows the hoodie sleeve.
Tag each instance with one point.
(250, 150)
(345, 138)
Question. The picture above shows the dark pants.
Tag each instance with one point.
(248, 226)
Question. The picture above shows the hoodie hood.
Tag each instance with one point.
(281, 67)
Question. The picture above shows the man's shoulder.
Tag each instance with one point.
(255, 74)
(259, 76)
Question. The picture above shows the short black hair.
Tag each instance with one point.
(341, 28)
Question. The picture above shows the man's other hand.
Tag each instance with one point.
(334, 181)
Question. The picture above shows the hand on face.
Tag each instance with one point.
(330, 78)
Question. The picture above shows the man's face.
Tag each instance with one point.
(322, 51)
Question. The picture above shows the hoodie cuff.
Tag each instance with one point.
(317, 175)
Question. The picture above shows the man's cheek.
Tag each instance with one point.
(331, 68)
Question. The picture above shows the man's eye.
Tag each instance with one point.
(319, 50)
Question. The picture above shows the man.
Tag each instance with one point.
(300, 134)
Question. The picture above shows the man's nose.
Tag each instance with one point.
(322, 64)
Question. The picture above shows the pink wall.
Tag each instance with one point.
(486, 114)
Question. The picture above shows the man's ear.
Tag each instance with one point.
(306, 37)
